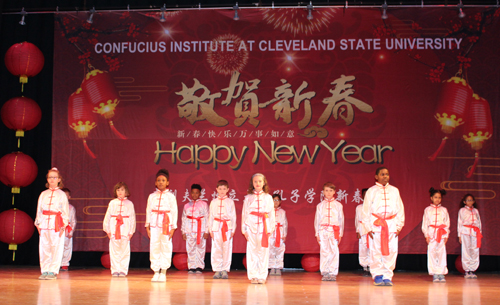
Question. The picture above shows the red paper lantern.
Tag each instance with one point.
(100, 91)
(16, 227)
(80, 117)
(478, 127)
(458, 265)
(17, 170)
(180, 261)
(105, 260)
(24, 60)
(452, 107)
(21, 114)
(310, 262)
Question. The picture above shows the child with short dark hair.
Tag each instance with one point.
(469, 235)
(194, 230)
(119, 224)
(277, 240)
(329, 228)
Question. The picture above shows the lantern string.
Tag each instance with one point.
(473, 168)
(14, 255)
(88, 149)
(12, 199)
(18, 142)
(439, 150)
(121, 136)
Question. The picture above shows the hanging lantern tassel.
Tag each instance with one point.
(113, 128)
(439, 150)
(473, 168)
(87, 149)
(80, 117)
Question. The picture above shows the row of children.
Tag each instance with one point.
(378, 222)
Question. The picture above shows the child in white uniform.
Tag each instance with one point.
(52, 217)
(277, 240)
(436, 229)
(222, 226)
(68, 236)
(194, 230)
(161, 222)
(257, 225)
(329, 228)
(119, 224)
(469, 235)
(363, 238)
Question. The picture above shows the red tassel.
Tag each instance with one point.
(116, 131)
(88, 149)
(473, 168)
(439, 150)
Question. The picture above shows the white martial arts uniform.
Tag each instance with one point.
(52, 210)
(364, 241)
(469, 230)
(222, 223)
(329, 227)
(120, 223)
(384, 215)
(258, 220)
(161, 217)
(436, 227)
(277, 245)
(195, 225)
(68, 241)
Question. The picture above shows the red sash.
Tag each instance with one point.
(119, 222)
(277, 243)
(59, 223)
(441, 231)
(198, 233)
(166, 221)
(478, 234)
(265, 237)
(336, 230)
(384, 236)
(224, 229)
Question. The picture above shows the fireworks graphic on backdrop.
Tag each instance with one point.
(226, 62)
(295, 20)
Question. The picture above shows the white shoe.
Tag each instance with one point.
(156, 277)
(162, 278)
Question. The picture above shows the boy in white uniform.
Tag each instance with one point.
(70, 229)
(194, 230)
(364, 242)
(277, 240)
(222, 225)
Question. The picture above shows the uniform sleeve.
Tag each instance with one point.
(425, 224)
(357, 220)
(341, 219)
(72, 218)
(184, 220)
(206, 214)
(271, 214)
(317, 220)
(107, 217)
(446, 221)
(39, 211)
(233, 215)
(173, 212)
(64, 206)
(479, 221)
(132, 220)
(148, 212)
(366, 211)
(460, 223)
(400, 214)
(210, 218)
(244, 215)
(285, 224)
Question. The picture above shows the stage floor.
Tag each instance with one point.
(19, 285)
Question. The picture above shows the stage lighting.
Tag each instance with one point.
(384, 10)
(236, 8)
(23, 14)
(310, 11)
(92, 11)
(461, 13)
(162, 16)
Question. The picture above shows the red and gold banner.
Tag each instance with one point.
(302, 101)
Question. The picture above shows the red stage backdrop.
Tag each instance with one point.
(301, 101)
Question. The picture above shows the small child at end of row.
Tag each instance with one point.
(436, 229)
(277, 240)
(469, 235)
(68, 234)
(363, 238)
(222, 226)
(329, 228)
(257, 225)
(161, 223)
(195, 230)
(119, 223)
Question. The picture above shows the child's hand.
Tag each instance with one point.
(149, 231)
(359, 236)
(130, 236)
(460, 240)
(284, 238)
(317, 238)
(184, 237)
(445, 240)
(61, 232)
(206, 235)
(212, 235)
(246, 236)
(428, 240)
(109, 235)
(397, 233)
(171, 233)
(340, 238)
(232, 234)
(39, 231)
(370, 234)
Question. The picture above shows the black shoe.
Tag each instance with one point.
(199, 271)
(366, 273)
